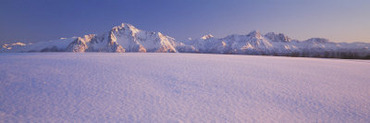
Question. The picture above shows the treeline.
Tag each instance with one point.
(329, 54)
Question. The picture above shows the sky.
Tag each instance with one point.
(43, 20)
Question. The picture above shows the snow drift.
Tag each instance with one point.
(136, 87)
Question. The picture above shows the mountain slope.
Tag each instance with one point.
(123, 38)
(278, 44)
(127, 38)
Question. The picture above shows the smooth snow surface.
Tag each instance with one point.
(159, 87)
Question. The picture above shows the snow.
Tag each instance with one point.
(127, 38)
(172, 87)
(60, 44)
(205, 37)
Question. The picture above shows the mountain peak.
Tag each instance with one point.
(207, 36)
(125, 26)
(318, 40)
(255, 33)
(277, 37)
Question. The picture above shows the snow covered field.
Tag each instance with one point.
(165, 87)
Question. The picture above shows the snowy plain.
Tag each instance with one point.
(173, 87)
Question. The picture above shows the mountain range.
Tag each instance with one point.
(127, 38)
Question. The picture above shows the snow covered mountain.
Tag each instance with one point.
(278, 44)
(127, 38)
(123, 38)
